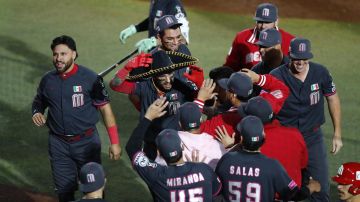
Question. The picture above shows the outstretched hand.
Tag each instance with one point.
(206, 90)
(224, 137)
(141, 60)
(156, 109)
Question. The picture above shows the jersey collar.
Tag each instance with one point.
(68, 74)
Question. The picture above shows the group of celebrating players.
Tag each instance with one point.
(250, 132)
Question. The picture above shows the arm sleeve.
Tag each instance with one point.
(328, 85)
(216, 183)
(120, 84)
(134, 143)
(284, 185)
(39, 104)
(99, 93)
(143, 25)
(233, 59)
(276, 91)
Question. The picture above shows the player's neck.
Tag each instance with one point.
(354, 199)
(256, 151)
(94, 195)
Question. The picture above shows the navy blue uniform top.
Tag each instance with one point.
(71, 100)
(186, 182)
(261, 68)
(253, 177)
(304, 108)
(159, 8)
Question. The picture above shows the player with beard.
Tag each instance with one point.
(155, 78)
(73, 95)
(309, 84)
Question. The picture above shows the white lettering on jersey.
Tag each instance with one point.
(253, 57)
(185, 180)
(244, 171)
(77, 100)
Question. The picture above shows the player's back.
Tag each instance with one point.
(251, 176)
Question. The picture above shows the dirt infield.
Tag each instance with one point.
(335, 10)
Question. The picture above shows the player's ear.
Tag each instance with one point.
(74, 55)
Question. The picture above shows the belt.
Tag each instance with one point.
(76, 137)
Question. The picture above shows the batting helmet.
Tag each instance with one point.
(349, 173)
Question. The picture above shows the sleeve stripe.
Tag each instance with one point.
(199, 103)
(262, 80)
(330, 94)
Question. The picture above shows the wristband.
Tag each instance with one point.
(113, 134)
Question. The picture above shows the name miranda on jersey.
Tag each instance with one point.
(185, 180)
(244, 171)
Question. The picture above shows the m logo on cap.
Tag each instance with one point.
(169, 20)
(265, 12)
(90, 178)
(302, 47)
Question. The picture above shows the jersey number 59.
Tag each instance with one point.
(194, 195)
(253, 191)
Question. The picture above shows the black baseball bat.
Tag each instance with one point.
(109, 69)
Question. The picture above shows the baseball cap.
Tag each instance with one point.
(166, 22)
(169, 144)
(300, 48)
(348, 173)
(266, 12)
(251, 129)
(238, 83)
(259, 107)
(269, 38)
(92, 177)
(190, 116)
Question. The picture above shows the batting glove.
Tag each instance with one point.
(196, 75)
(145, 45)
(129, 31)
(142, 60)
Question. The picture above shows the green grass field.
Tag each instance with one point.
(26, 31)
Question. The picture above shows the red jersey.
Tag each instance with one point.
(287, 145)
(244, 53)
(275, 93)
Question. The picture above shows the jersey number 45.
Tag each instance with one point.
(194, 194)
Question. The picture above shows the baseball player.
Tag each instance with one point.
(248, 175)
(348, 179)
(162, 83)
(92, 182)
(158, 8)
(179, 181)
(244, 52)
(196, 144)
(73, 95)
(309, 83)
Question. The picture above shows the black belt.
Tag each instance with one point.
(76, 137)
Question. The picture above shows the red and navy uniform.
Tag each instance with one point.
(159, 8)
(251, 176)
(244, 53)
(72, 100)
(183, 182)
(304, 109)
(286, 145)
(179, 94)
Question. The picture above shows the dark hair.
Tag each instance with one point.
(220, 73)
(66, 40)
(162, 33)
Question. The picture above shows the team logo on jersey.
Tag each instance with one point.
(292, 185)
(314, 87)
(173, 97)
(77, 100)
(265, 12)
(314, 97)
(77, 89)
(159, 13)
(253, 57)
(302, 47)
(143, 161)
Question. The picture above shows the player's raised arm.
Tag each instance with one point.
(155, 110)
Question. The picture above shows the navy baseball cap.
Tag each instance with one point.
(266, 12)
(269, 38)
(190, 116)
(92, 177)
(259, 107)
(300, 49)
(166, 22)
(252, 131)
(169, 144)
(238, 83)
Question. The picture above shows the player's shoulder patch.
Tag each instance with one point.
(142, 160)
(277, 94)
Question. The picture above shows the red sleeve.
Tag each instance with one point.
(276, 91)
(228, 119)
(233, 59)
(285, 44)
(120, 84)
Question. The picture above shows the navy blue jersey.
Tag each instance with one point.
(262, 68)
(159, 8)
(186, 182)
(304, 108)
(252, 177)
(71, 100)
